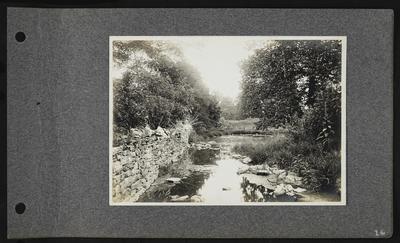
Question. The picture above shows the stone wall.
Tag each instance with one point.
(137, 161)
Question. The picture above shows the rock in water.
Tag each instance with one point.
(272, 178)
(299, 189)
(263, 172)
(294, 180)
(237, 156)
(281, 176)
(242, 169)
(277, 171)
(260, 180)
(180, 199)
(259, 195)
(213, 143)
(246, 160)
(173, 180)
(196, 198)
(289, 188)
(280, 190)
(291, 194)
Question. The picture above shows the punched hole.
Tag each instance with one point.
(20, 208)
(20, 36)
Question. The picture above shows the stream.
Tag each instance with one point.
(209, 175)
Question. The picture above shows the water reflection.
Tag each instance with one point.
(187, 186)
(204, 156)
(258, 193)
(223, 185)
(218, 184)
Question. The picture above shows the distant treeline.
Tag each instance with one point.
(295, 84)
(159, 88)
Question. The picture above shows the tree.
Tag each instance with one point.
(158, 87)
(291, 80)
(269, 88)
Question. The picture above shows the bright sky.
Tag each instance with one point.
(217, 59)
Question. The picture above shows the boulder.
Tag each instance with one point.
(173, 180)
(299, 189)
(136, 133)
(246, 160)
(117, 150)
(117, 167)
(259, 180)
(125, 160)
(263, 172)
(279, 190)
(237, 156)
(127, 182)
(160, 132)
(180, 199)
(293, 180)
(284, 189)
(272, 178)
(147, 131)
(277, 171)
(242, 169)
(291, 194)
(289, 188)
(213, 143)
(282, 176)
(259, 195)
(196, 198)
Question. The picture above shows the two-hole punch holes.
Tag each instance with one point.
(20, 207)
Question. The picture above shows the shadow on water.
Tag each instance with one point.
(204, 156)
(187, 186)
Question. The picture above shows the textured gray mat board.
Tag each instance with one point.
(58, 149)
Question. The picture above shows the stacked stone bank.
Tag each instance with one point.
(136, 164)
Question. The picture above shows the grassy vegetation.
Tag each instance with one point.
(195, 137)
(319, 169)
(240, 125)
(231, 127)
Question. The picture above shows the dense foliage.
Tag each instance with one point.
(158, 88)
(229, 108)
(295, 84)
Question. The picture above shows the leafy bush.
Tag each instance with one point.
(159, 88)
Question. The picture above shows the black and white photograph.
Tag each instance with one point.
(227, 120)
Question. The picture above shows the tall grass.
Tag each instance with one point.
(267, 151)
(319, 169)
(246, 124)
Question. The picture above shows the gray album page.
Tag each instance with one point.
(199, 123)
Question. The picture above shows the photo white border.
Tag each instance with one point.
(343, 176)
